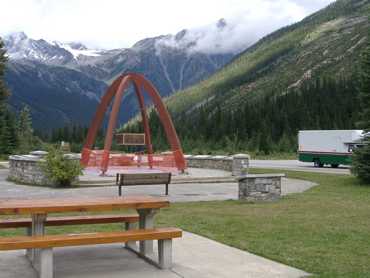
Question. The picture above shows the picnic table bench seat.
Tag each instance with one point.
(70, 220)
(46, 243)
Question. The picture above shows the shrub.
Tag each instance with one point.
(361, 163)
(59, 169)
(361, 158)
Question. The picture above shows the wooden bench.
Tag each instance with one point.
(46, 243)
(130, 179)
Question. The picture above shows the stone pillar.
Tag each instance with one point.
(264, 187)
(240, 164)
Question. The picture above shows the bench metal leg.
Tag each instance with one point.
(166, 189)
(130, 244)
(119, 190)
(46, 263)
(165, 253)
(146, 221)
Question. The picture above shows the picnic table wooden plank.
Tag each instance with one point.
(71, 220)
(57, 205)
(24, 242)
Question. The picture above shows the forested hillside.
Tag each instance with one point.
(300, 77)
(269, 124)
(327, 43)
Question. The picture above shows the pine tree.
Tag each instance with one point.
(24, 131)
(364, 123)
(3, 91)
(5, 132)
(12, 130)
(5, 139)
(361, 157)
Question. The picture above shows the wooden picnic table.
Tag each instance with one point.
(146, 206)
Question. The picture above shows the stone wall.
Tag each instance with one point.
(210, 162)
(263, 187)
(235, 164)
(26, 169)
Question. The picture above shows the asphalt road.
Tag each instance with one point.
(298, 166)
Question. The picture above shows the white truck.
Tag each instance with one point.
(332, 147)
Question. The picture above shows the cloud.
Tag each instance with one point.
(242, 29)
(121, 23)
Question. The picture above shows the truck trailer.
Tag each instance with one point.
(333, 147)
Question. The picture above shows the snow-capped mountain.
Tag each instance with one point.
(78, 49)
(21, 47)
(171, 62)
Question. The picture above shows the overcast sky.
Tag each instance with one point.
(121, 23)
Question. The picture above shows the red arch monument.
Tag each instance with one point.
(116, 91)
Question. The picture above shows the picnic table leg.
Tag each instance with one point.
(38, 228)
(165, 253)
(146, 221)
(29, 251)
(130, 244)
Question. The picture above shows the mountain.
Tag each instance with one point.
(327, 43)
(44, 72)
(302, 76)
(56, 95)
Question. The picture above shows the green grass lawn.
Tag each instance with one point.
(325, 231)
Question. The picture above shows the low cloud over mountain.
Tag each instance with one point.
(236, 33)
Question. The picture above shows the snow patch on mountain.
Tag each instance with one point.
(77, 49)
(20, 47)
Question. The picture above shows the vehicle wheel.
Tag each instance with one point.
(334, 165)
(317, 163)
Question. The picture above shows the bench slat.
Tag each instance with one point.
(147, 175)
(144, 182)
(71, 220)
(140, 176)
(51, 241)
(144, 178)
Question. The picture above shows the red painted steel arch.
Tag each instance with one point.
(116, 91)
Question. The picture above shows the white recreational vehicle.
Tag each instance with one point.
(332, 147)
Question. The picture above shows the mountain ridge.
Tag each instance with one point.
(320, 44)
(303, 76)
(170, 68)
